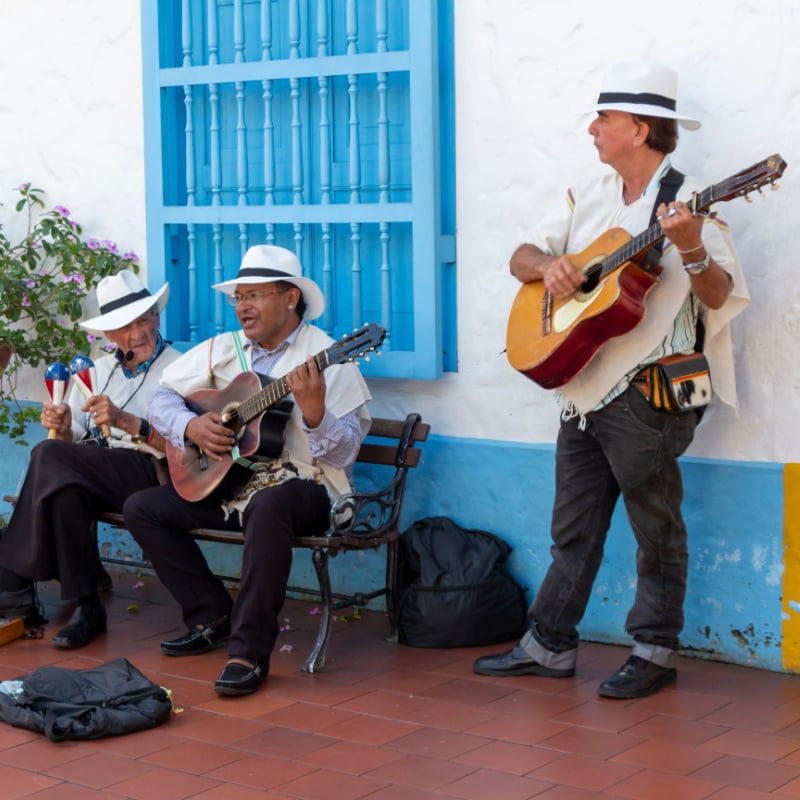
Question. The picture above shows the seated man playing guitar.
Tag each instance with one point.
(220, 477)
(612, 441)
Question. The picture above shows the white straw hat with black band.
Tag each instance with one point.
(122, 298)
(644, 88)
(267, 263)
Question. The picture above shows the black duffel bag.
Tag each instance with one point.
(453, 589)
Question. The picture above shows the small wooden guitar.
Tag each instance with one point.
(551, 340)
(242, 405)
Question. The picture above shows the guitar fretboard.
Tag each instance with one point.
(653, 235)
(272, 393)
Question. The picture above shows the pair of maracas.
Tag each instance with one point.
(57, 376)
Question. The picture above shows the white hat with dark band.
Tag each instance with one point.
(122, 298)
(266, 263)
(644, 88)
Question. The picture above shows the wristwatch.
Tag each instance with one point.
(698, 267)
(143, 434)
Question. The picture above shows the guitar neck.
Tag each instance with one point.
(273, 392)
(641, 243)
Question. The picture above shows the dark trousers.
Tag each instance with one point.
(160, 521)
(50, 534)
(627, 448)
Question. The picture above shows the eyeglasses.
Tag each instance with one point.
(251, 297)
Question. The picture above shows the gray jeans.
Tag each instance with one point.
(626, 448)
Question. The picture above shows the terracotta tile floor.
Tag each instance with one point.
(388, 722)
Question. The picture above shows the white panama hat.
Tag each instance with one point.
(122, 298)
(642, 87)
(266, 263)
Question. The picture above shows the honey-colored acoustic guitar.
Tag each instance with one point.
(551, 340)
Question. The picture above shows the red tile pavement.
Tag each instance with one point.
(387, 722)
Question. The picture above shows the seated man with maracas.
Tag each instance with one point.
(69, 479)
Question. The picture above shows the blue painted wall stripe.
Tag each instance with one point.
(734, 511)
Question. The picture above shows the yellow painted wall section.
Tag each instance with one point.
(791, 568)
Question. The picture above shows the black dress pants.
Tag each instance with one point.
(160, 521)
(50, 533)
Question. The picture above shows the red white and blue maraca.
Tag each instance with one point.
(85, 377)
(56, 378)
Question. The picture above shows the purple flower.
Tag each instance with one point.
(92, 244)
(25, 302)
(91, 337)
(130, 256)
(29, 283)
(110, 246)
(64, 212)
(23, 187)
(74, 278)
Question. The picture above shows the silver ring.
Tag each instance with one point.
(673, 212)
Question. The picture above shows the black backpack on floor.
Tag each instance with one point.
(453, 589)
(107, 700)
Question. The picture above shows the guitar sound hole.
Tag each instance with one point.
(592, 280)
(230, 419)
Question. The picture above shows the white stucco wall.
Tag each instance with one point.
(70, 122)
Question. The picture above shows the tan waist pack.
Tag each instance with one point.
(676, 383)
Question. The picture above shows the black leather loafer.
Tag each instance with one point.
(87, 622)
(240, 676)
(637, 678)
(198, 640)
(516, 662)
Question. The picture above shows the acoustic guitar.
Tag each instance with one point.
(551, 340)
(242, 404)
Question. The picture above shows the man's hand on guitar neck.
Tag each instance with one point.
(307, 385)
(561, 277)
(210, 435)
(684, 230)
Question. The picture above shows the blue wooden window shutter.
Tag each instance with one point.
(323, 126)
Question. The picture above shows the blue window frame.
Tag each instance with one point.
(324, 126)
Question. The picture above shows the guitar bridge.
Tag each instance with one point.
(547, 308)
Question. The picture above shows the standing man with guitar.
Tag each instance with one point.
(613, 439)
(308, 448)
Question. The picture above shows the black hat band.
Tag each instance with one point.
(263, 272)
(642, 98)
(124, 301)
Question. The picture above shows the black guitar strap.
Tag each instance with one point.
(671, 181)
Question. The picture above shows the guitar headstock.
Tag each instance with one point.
(358, 343)
(751, 179)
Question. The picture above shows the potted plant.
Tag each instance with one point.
(45, 275)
